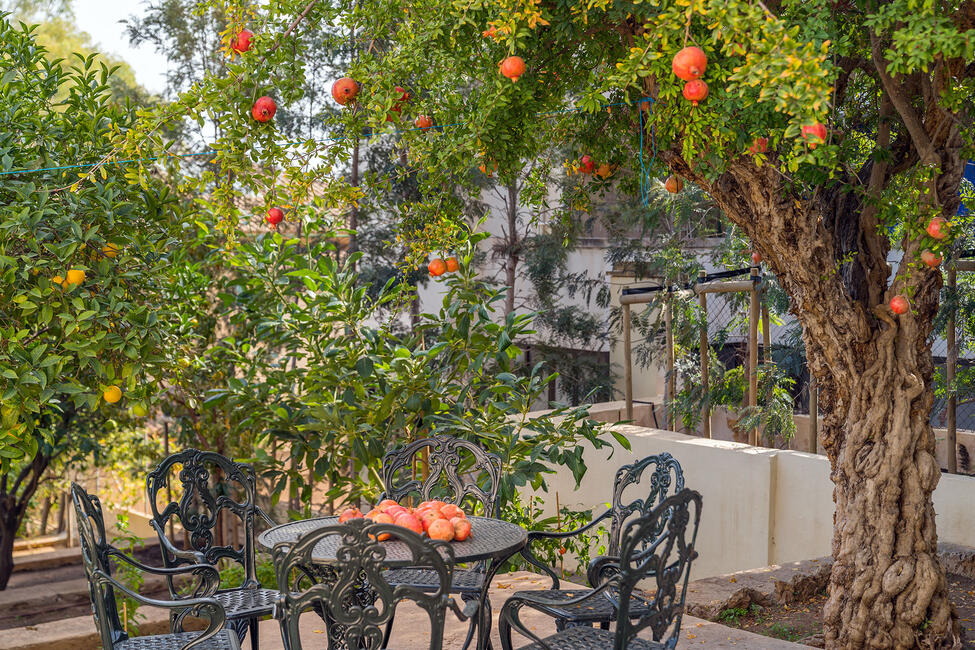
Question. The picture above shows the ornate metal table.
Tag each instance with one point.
(493, 540)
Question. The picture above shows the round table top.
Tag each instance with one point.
(490, 539)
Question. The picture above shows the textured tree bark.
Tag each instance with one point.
(887, 588)
(8, 522)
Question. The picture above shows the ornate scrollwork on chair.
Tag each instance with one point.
(96, 554)
(361, 562)
(459, 471)
(213, 486)
(666, 560)
(637, 489)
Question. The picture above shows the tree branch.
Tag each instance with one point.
(903, 105)
(293, 25)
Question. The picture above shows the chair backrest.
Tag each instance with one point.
(360, 565)
(666, 561)
(459, 470)
(660, 474)
(210, 485)
(94, 555)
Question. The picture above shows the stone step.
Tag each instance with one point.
(45, 602)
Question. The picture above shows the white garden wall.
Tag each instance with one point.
(761, 506)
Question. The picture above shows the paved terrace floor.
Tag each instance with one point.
(410, 631)
(410, 628)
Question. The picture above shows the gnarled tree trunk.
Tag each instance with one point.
(887, 588)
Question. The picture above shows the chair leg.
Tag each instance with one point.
(389, 630)
(255, 642)
(470, 632)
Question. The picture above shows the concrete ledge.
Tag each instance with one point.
(957, 559)
(64, 557)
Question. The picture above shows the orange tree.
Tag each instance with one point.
(831, 133)
(79, 268)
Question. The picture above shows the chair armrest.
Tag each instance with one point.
(207, 573)
(533, 535)
(602, 568)
(206, 608)
(470, 609)
(265, 517)
(194, 557)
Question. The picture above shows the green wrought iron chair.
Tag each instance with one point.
(672, 526)
(459, 472)
(97, 554)
(198, 509)
(362, 566)
(637, 489)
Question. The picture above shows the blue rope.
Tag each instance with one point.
(439, 127)
(645, 179)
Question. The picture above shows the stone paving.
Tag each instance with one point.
(410, 629)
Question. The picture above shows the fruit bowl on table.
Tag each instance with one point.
(436, 519)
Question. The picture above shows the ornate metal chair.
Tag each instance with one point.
(362, 561)
(213, 485)
(96, 553)
(672, 526)
(459, 471)
(637, 489)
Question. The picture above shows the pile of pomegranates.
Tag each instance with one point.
(441, 521)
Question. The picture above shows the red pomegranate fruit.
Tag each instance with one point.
(695, 91)
(243, 41)
(673, 184)
(274, 217)
(899, 305)
(759, 145)
(462, 530)
(441, 530)
(410, 522)
(264, 109)
(437, 267)
(513, 67)
(814, 134)
(938, 228)
(587, 165)
(931, 259)
(756, 258)
(690, 63)
(344, 90)
(423, 122)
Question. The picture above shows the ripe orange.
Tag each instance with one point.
(110, 250)
(112, 394)
(75, 276)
